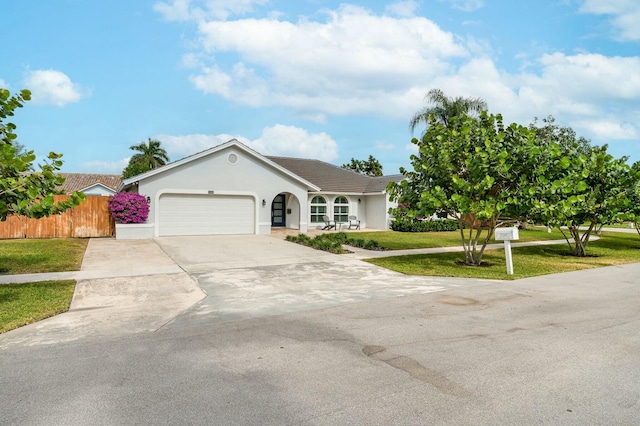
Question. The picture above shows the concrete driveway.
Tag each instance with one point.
(256, 276)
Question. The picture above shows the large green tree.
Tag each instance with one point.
(475, 170)
(444, 108)
(149, 155)
(24, 190)
(576, 184)
(369, 167)
(633, 195)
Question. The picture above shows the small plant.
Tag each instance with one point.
(332, 242)
(127, 207)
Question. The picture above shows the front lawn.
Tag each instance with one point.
(611, 249)
(22, 304)
(393, 240)
(46, 255)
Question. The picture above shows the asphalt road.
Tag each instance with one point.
(560, 350)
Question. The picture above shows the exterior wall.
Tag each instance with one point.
(218, 174)
(377, 211)
(134, 231)
(98, 189)
(293, 212)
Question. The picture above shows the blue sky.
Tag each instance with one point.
(310, 78)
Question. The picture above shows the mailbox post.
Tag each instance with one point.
(506, 235)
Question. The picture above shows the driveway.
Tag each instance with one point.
(255, 276)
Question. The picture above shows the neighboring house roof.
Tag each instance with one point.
(332, 178)
(81, 181)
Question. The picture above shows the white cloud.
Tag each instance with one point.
(290, 141)
(279, 140)
(384, 146)
(181, 146)
(411, 147)
(184, 10)
(353, 62)
(625, 16)
(4, 84)
(465, 5)
(607, 130)
(403, 9)
(51, 87)
(114, 167)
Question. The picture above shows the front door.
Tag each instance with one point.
(278, 211)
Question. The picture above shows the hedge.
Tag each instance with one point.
(414, 225)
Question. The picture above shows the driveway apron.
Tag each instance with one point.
(255, 276)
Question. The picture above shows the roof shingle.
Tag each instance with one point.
(79, 181)
(332, 178)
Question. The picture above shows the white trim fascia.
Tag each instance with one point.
(212, 150)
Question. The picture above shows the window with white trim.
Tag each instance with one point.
(341, 209)
(318, 209)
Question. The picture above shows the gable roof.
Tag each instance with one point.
(81, 181)
(315, 174)
(233, 142)
(331, 178)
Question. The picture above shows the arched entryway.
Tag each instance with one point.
(285, 211)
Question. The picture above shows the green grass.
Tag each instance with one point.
(46, 255)
(611, 249)
(393, 240)
(22, 304)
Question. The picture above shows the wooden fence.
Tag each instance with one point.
(89, 219)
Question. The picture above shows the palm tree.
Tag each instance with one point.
(149, 154)
(444, 108)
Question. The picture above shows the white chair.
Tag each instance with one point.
(353, 221)
(328, 223)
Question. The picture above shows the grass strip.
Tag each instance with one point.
(393, 240)
(45, 255)
(22, 304)
(611, 249)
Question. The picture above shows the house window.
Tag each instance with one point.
(341, 209)
(318, 209)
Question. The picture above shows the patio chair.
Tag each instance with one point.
(328, 223)
(353, 221)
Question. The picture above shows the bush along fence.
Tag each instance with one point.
(333, 242)
(403, 224)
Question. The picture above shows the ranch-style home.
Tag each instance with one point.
(232, 189)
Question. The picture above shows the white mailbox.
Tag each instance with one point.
(507, 234)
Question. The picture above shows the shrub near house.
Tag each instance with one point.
(127, 207)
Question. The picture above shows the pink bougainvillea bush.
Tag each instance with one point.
(127, 207)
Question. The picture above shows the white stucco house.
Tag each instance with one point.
(232, 189)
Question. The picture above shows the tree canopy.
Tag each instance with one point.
(469, 168)
(444, 108)
(369, 167)
(24, 190)
(483, 174)
(150, 155)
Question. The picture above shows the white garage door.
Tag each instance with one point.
(189, 214)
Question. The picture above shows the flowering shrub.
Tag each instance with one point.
(127, 207)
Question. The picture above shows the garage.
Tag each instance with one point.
(202, 214)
